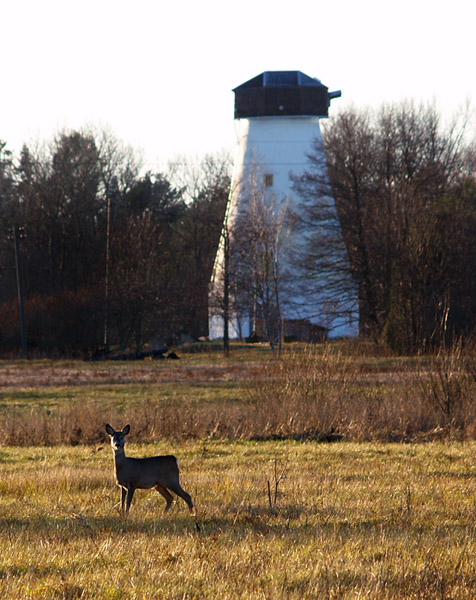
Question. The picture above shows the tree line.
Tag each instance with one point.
(113, 256)
(108, 255)
(404, 185)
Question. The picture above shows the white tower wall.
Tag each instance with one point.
(269, 150)
(276, 146)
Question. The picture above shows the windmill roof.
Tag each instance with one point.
(281, 79)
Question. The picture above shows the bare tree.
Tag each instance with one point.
(322, 268)
(207, 193)
(389, 171)
(137, 286)
(257, 260)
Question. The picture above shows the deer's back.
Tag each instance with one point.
(148, 472)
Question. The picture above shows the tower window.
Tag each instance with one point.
(268, 180)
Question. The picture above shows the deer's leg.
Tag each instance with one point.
(175, 487)
(123, 499)
(130, 494)
(166, 494)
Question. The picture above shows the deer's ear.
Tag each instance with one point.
(126, 430)
(109, 429)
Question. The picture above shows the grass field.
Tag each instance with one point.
(284, 517)
(349, 521)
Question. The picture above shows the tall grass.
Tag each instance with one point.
(319, 393)
(328, 395)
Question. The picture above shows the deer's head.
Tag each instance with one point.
(117, 437)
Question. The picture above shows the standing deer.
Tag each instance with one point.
(161, 472)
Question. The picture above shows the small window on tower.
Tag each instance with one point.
(268, 180)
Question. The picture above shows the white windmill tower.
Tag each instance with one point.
(277, 118)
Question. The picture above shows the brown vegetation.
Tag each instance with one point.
(278, 519)
(311, 393)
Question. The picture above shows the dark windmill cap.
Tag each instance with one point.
(282, 93)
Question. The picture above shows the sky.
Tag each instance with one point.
(159, 74)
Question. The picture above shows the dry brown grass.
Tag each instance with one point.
(48, 373)
(282, 517)
(325, 395)
(351, 520)
(319, 393)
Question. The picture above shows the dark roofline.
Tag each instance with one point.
(280, 79)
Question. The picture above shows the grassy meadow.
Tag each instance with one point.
(385, 511)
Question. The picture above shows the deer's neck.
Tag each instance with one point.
(119, 459)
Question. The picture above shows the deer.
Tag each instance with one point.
(159, 472)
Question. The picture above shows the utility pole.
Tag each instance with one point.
(19, 232)
(226, 292)
(106, 278)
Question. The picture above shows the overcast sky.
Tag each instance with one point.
(159, 73)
